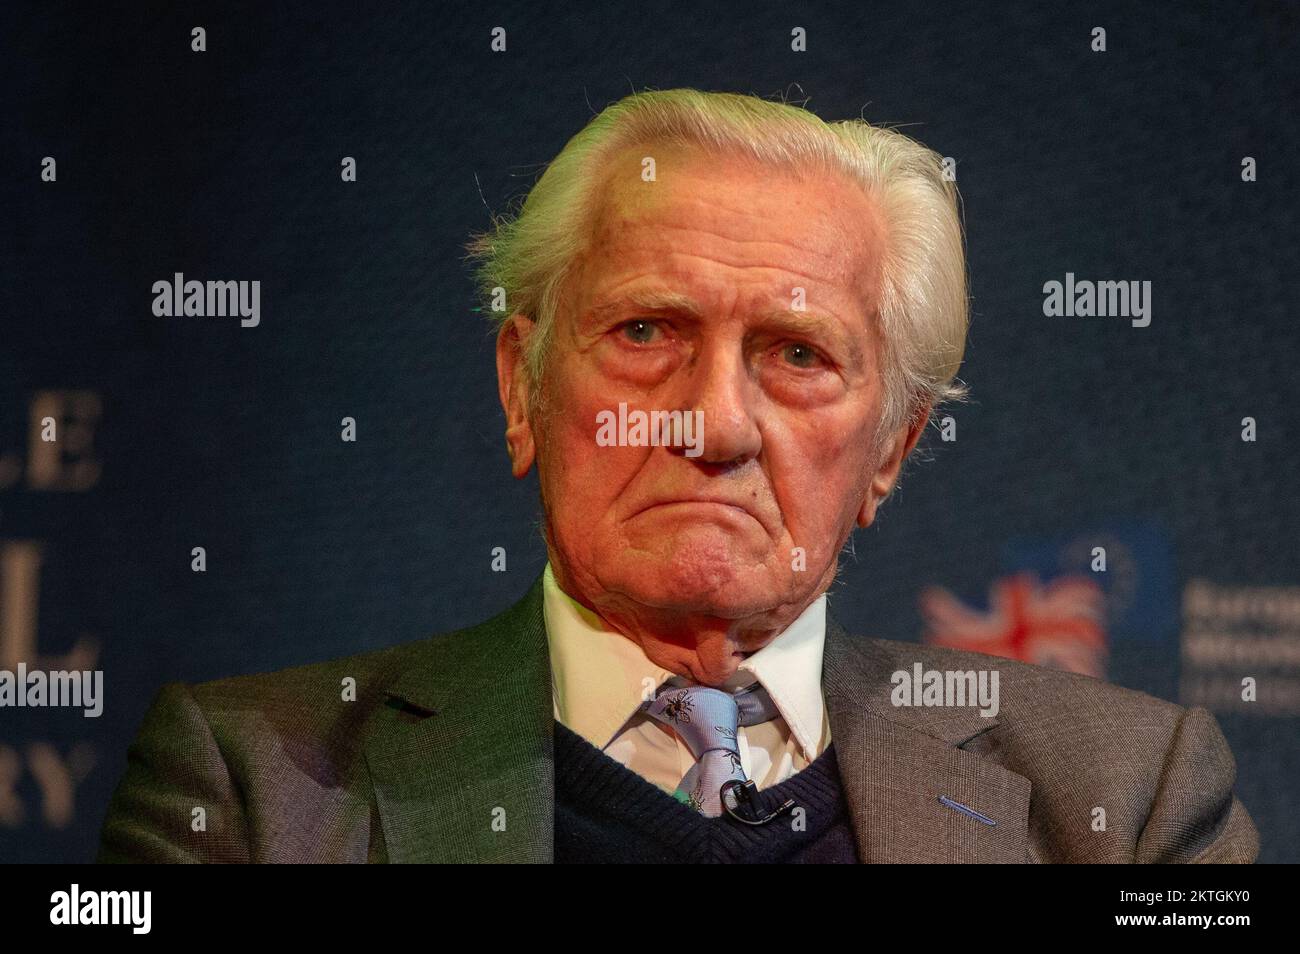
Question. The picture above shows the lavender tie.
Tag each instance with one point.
(706, 720)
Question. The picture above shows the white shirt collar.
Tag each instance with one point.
(599, 676)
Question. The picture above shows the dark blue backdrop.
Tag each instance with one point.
(225, 165)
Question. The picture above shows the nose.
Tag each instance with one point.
(721, 389)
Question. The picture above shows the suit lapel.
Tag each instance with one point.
(460, 754)
(897, 762)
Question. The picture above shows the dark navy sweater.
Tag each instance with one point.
(606, 813)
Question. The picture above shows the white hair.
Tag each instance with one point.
(923, 304)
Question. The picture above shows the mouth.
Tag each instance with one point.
(701, 503)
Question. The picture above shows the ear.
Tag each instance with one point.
(886, 475)
(514, 391)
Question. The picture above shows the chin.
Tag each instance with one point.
(689, 580)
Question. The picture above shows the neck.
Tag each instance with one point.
(702, 647)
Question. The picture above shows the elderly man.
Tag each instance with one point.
(790, 297)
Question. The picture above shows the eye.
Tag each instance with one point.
(800, 355)
(640, 331)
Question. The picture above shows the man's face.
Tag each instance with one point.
(688, 299)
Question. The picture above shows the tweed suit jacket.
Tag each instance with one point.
(445, 754)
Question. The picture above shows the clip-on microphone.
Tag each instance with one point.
(740, 799)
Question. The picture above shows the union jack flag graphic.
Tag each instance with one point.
(1060, 625)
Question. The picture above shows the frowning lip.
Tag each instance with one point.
(699, 500)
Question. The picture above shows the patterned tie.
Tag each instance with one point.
(706, 720)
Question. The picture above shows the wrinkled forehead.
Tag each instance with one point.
(658, 207)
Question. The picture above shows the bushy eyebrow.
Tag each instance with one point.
(647, 301)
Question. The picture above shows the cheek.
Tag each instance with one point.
(821, 468)
(580, 478)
